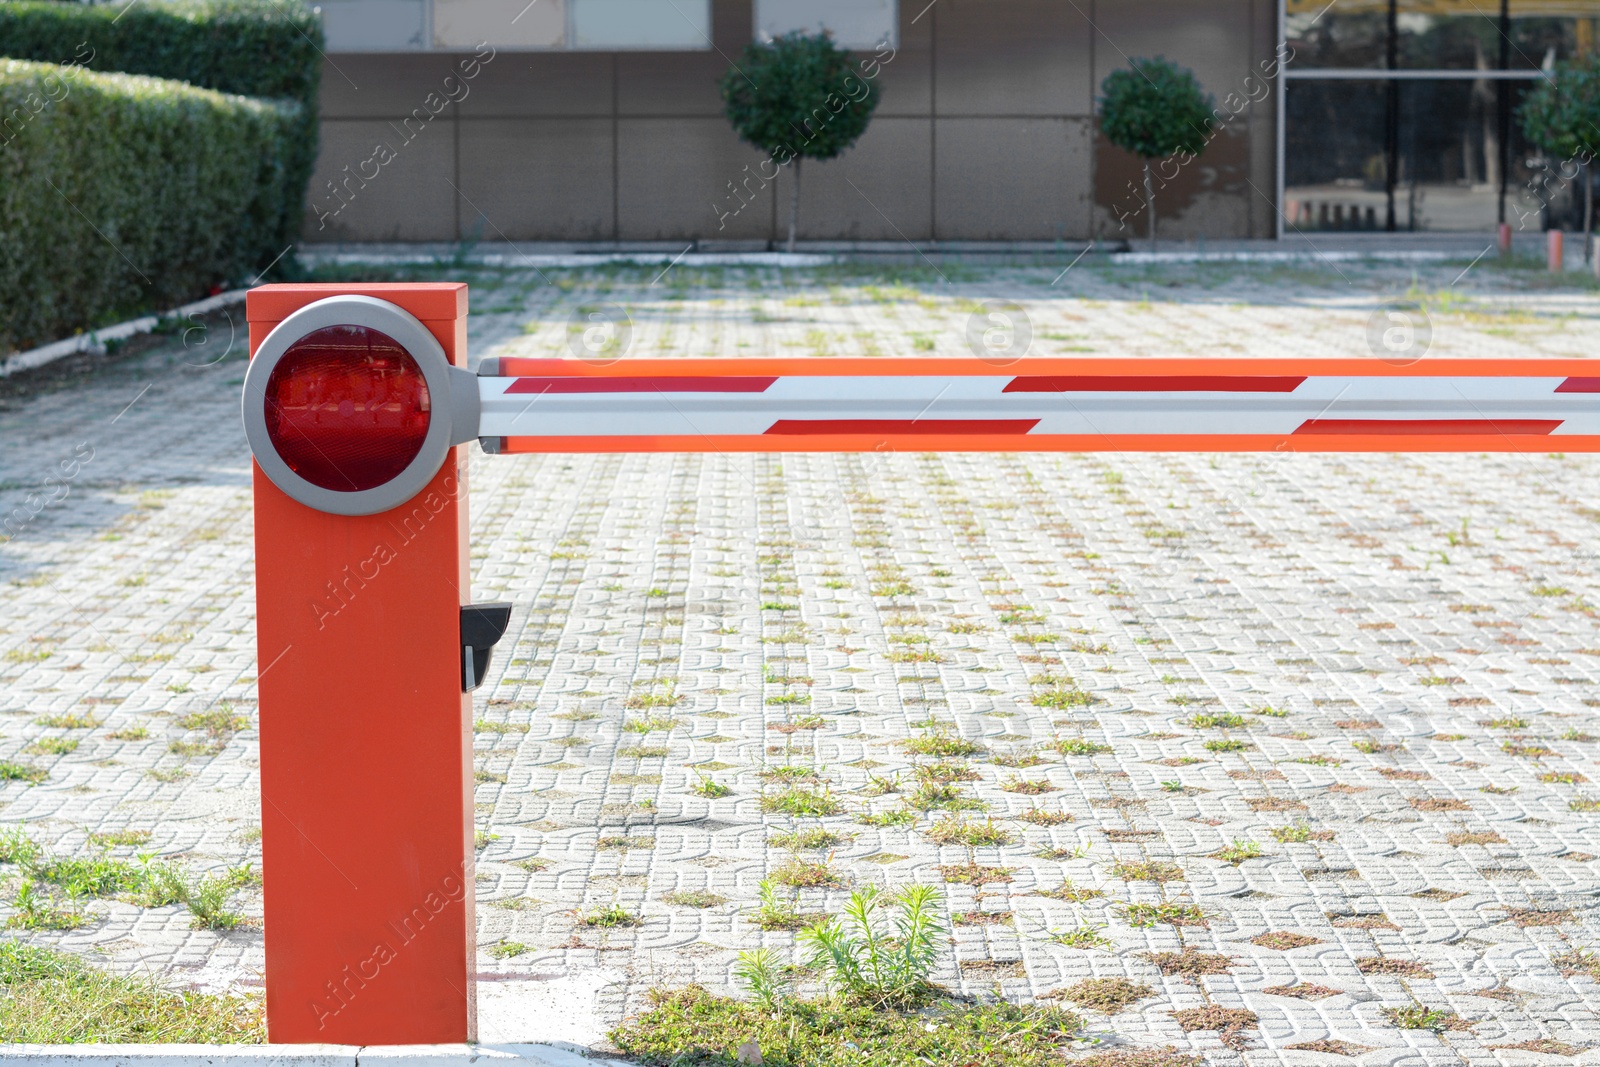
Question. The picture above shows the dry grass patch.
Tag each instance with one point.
(1303, 991)
(1190, 962)
(1283, 940)
(1482, 837)
(1147, 871)
(975, 874)
(1391, 965)
(1526, 917)
(1107, 995)
(1332, 1047)
(1439, 804)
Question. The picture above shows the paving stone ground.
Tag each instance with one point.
(1329, 722)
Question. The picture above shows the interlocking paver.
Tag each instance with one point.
(1372, 678)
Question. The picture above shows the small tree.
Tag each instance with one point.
(1155, 110)
(1562, 117)
(798, 97)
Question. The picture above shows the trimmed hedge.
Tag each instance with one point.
(265, 48)
(119, 193)
(248, 47)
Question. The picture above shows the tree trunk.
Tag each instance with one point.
(1150, 203)
(794, 204)
(1588, 211)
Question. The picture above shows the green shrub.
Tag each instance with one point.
(270, 49)
(119, 193)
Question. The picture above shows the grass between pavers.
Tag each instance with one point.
(51, 998)
(693, 1025)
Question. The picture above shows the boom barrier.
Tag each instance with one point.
(356, 406)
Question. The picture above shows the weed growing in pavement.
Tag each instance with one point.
(801, 802)
(1218, 721)
(1300, 832)
(68, 721)
(877, 785)
(866, 956)
(694, 898)
(945, 772)
(940, 746)
(1237, 852)
(956, 830)
(814, 838)
(802, 874)
(1079, 746)
(892, 817)
(1082, 937)
(610, 916)
(651, 723)
(930, 796)
(710, 788)
(1147, 871)
(1421, 1017)
(779, 911)
(1164, 914)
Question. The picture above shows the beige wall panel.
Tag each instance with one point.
(407, 198)
(879, 190)
(669, 83)
(1215, 39)
(501, 23)
(1012, 57)
(374, 86)
(542, 83)
(536, 179)
(906, 74)
(1012, 179)
(672, 181)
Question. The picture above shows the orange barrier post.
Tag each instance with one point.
(366, 742)
(1555, 252)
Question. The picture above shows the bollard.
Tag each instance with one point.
(1555, 259)
(1502, 239)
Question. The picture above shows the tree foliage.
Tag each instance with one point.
(1562, 113)
(798, 95)
(1156, 109)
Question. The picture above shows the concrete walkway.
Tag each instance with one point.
(1321, 726)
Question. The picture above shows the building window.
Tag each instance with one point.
(1401, 114)
(517, 25)
(856, 24)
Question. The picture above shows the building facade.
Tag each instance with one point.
(600, 120)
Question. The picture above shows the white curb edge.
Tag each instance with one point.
(298, 1056)
(94, 341)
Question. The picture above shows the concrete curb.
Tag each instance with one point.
(298, 1056)
(95, 340)
(1288, 256)
(580, 259)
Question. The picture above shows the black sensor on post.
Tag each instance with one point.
(482, 625)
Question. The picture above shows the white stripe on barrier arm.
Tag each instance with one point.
(649, 405)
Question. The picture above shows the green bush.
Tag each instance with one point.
(247, 47)
(119, 193)
(262, 48)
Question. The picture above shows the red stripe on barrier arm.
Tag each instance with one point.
(809, 427)
(1154, 383)
(654, 384)
(1579, 385)
(1427, 427)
